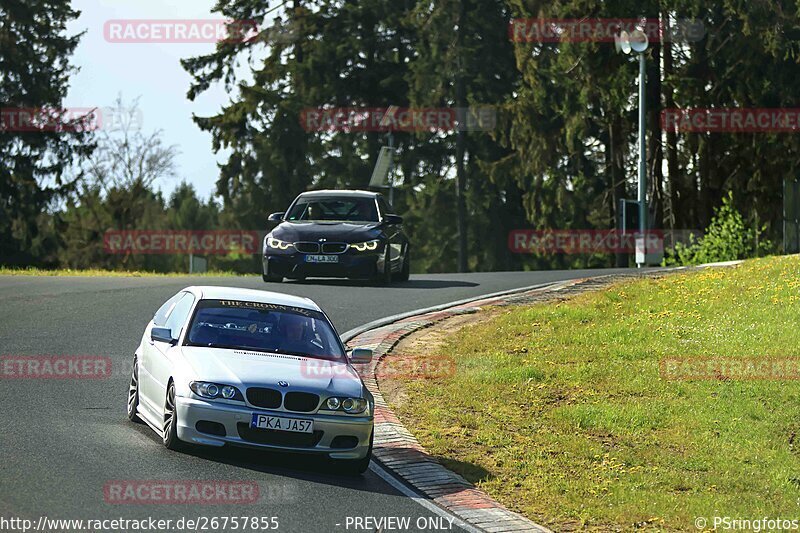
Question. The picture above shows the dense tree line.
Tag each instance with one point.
(561, 154)
(36, 167)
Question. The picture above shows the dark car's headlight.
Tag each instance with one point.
(278, 244)
(367, 246)
(213, 391)
(351, 406)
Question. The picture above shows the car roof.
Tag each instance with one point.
(341, 192)
(210, 292)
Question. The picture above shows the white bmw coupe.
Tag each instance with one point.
(220, 365)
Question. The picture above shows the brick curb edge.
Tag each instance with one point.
(400, 452)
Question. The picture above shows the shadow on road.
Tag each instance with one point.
(411, 284)
(306, 467)
(315, 468)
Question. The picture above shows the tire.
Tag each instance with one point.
(271, 279)
(133, 393)
(357, 467)
(405, 273)
(170, 438)
(385, 277)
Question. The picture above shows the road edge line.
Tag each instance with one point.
(386, 475)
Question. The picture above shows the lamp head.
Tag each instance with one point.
(638, 41)
(622, 42)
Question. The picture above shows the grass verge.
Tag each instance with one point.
(562, 412)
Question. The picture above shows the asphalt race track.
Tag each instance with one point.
(64, 440)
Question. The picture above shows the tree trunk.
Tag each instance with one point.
(655, 171)
(616, 143)
(674, 216)
(461, 104)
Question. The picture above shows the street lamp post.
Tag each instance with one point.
(637, 42)
(642, 163)
(387, 122)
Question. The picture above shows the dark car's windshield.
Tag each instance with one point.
(264, 327)
(342, 209)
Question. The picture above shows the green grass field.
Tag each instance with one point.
(560, 410)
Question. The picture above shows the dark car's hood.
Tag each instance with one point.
(330, 231)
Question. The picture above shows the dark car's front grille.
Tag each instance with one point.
(266, 398)
(302, 402)
(307, 247)
(278, 438)
(334, 247)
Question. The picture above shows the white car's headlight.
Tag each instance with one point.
(333, 404)
(351, 406)
(367, 246)
(278, 244)
(211, 391)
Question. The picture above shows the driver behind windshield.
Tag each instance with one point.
(235, 325)
(295, 333)
(312, 212)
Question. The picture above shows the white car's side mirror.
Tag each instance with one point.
(162, 335)
(360, 356)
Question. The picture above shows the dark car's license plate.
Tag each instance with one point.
(322, 259)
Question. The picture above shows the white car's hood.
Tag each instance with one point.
(259, 369)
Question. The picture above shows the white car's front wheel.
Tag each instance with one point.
(133, 393)
(171, 440)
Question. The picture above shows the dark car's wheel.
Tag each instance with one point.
(405, 272)
(385, 276)
(133, 393)
(171, 440)
(359, 466)
(271, 279)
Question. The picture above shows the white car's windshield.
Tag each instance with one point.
(264, 327)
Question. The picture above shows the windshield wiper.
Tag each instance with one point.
(330, 357)
(252, 349)
(214, 345)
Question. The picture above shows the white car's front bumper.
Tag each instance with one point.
(236, 420)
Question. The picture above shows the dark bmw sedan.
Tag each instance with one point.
(340, 234)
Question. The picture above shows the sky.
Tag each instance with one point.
(152, 72)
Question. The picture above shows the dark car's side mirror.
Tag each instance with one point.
(162, 335)
(394, 220)
(276, 217)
